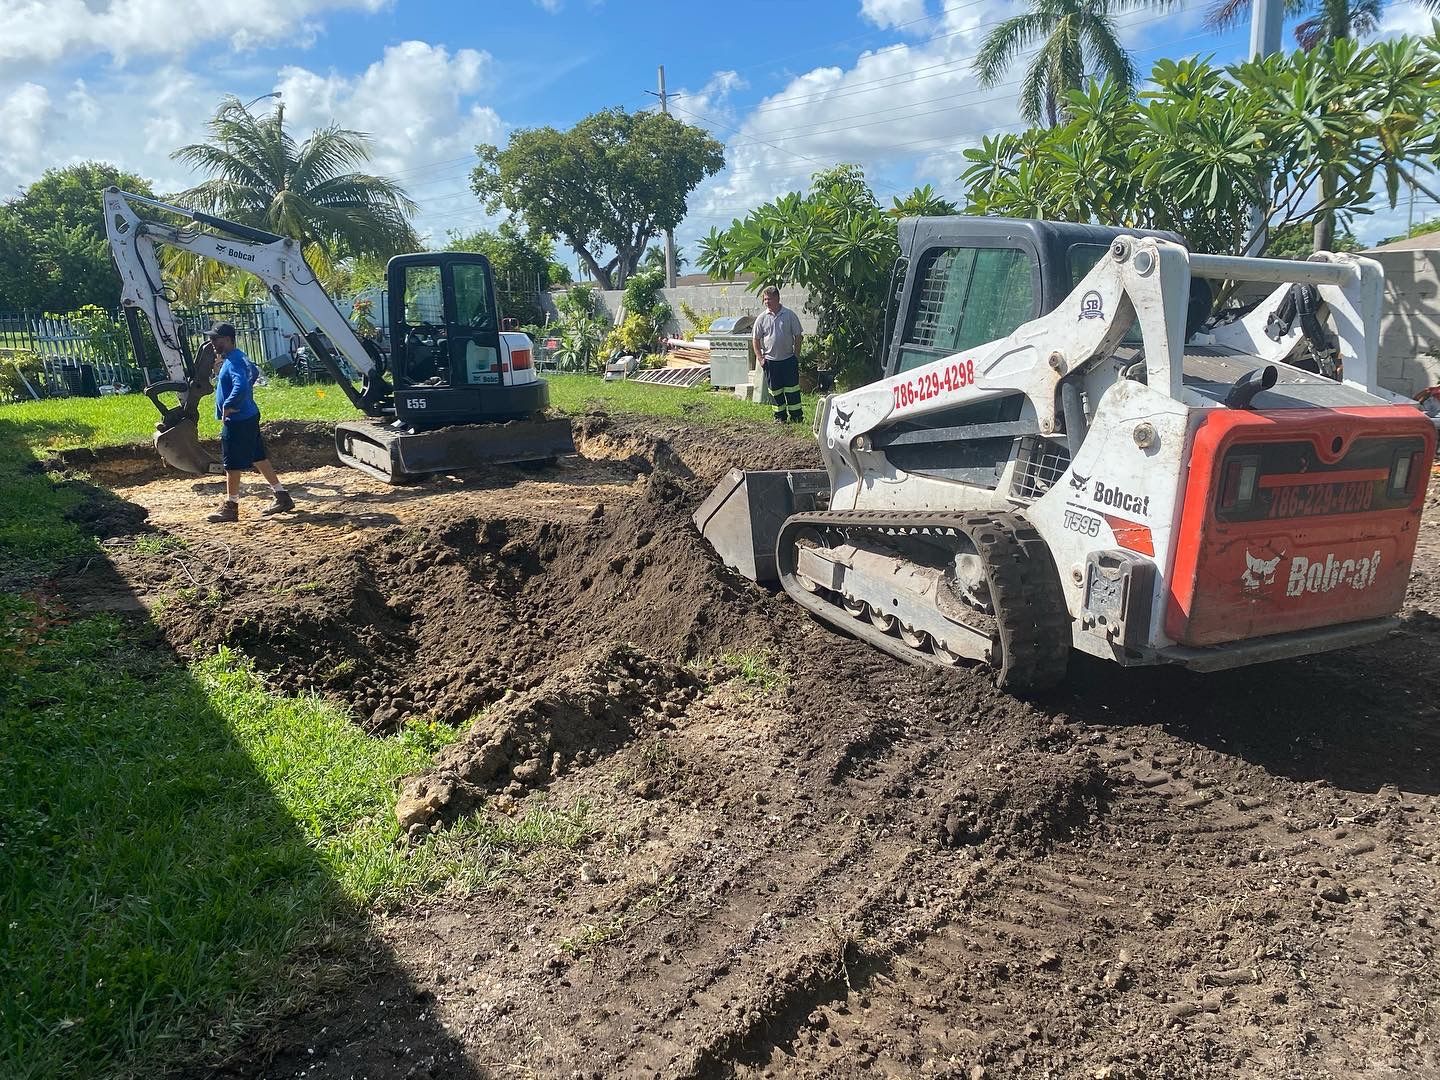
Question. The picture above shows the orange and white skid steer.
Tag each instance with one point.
(1068, 451)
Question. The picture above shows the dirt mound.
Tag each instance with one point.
(577, 716)
(701, 453)
(445, 619)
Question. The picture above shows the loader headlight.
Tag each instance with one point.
(1404, 473)
(1241, 477)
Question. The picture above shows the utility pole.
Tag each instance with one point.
(669, 233)
(1266, 22)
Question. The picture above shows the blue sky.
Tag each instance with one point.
(789, 86)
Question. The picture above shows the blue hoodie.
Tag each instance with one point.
(234, 389)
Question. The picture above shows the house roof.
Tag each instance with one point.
(1423, 242)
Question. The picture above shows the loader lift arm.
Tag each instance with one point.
(276, 260)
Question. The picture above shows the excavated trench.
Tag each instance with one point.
(810, 861)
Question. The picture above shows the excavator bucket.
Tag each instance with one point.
(179, 446)
(398, 456)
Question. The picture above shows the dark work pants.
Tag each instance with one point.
(784, 377)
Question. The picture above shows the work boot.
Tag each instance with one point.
(282, 503)
(228, 511)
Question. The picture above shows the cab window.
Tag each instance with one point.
(472, 297)
(424, 302)
(966, 296)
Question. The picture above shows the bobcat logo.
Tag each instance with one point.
(842, 419)
(1078, 482)
(1259, 572)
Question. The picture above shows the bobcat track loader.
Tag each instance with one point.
(1067, 452)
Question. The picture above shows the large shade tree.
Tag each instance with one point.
(53, 251)
(310, 191)
(606, 187)
(1077, 39)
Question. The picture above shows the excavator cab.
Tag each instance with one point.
(450, 361)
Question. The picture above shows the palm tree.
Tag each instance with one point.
(261, 177)
(1327, 20)
(1077, 38)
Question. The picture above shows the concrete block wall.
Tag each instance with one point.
(729, 298)
(1410, 326)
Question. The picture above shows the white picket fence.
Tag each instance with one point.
(62, 349)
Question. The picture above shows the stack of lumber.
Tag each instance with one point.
(682, 353)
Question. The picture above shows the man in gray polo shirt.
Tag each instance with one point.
(777, 343)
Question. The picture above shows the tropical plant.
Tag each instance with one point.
(1304, 137)
(261, 177)
(636, 335)
(654, 258)
(922, 202)
(699, 321)
(20, 374)
(606, 186)
(643, 296)
(106, 338)
(838, 244)
(581, 328)
(362, 317)
(1077, 38)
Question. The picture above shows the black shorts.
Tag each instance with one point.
(241, 444)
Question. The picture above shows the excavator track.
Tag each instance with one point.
(1024, 637)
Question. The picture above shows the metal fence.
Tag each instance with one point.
(71, 360)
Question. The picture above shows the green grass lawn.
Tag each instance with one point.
(64, 423)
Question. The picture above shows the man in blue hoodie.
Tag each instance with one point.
(241, 444)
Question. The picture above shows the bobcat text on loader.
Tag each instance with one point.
(1067, 451)
(465, 392)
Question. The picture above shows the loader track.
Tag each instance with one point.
(1029, 632)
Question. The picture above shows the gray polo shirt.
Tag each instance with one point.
(777, 335)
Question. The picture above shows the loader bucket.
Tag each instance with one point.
(179, 447)
(397, 455)
(741, 518)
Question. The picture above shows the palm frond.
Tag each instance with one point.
(1004, 43)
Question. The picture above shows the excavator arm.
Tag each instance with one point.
(276, 260)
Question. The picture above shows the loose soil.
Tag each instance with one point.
(811, 861)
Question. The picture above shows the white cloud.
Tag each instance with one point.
(905, 112)
(888, 13)
(24, 116)
(417, 103)
(423, 106)
(46, 31)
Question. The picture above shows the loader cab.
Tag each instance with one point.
(961, 282)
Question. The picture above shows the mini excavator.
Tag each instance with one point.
(1068, 451)
(462, 391)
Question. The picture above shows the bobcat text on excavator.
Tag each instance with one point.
(461, 391)
(1068, 450)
